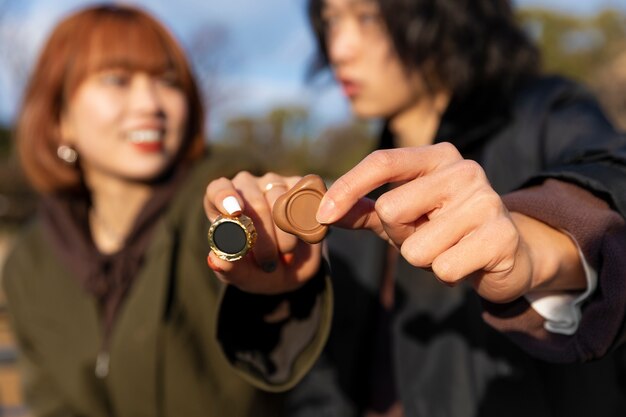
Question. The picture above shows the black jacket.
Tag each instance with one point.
(445, 360)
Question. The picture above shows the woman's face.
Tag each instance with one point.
(364, 61)
(125, 124)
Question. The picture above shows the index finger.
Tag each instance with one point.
(221, 197)
(379, 168)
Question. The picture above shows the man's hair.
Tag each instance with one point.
(460, 45)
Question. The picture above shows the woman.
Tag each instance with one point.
(112, 302)
(468, 119)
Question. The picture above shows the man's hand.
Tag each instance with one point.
(442, 214)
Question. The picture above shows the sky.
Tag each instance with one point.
(264, 57)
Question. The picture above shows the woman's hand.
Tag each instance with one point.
(279, 262)
(442, 214)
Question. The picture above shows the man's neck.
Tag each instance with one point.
(418, 125)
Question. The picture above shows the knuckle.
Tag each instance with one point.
(270, 176)
(216, 184)
(445, 271)
(382, 159)
(448, 150)
(293, 179)
(489, 204)
(504, 246)
(471, 170)
(415, 254)
(243, 175)
(510, 235)
(386, 209)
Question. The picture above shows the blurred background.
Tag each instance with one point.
(251, 58)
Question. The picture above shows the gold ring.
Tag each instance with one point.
(232, 237)
(272, 185)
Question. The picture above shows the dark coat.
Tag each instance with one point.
(446, 360)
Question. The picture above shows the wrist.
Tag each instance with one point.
(556, 264)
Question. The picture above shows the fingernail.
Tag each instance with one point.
(269, 266)
(287, 258)
(325, 211)
(214, 267)
(231, 205)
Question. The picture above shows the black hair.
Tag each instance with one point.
(461, 45)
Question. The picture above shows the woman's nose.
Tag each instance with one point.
(144, 94)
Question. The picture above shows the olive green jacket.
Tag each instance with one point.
(163, 357)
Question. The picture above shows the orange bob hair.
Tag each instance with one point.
(90, 40)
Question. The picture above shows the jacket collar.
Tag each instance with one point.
(467, 122)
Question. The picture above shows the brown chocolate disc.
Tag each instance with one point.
(294, 212)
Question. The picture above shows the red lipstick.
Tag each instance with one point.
(149, 147)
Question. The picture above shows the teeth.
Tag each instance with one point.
(145, 136)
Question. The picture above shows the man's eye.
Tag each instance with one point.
(330, 21)
(367, 18)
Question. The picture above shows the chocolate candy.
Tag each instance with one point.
(294, 212)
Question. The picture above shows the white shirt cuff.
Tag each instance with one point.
(562, 311)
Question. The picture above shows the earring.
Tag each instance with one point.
(67, 153)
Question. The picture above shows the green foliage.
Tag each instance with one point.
(17, 199)
(283, 141)
(590, 49)
(5, 143)
(339, 148)
(576, 46)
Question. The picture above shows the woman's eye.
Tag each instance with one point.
(169, 79)
(117, 79)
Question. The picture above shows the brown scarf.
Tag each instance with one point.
(107, 277)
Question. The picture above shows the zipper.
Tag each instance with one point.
(102, 364)
(103, 359)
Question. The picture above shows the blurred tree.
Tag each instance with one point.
(242, 131)
(5, 145)
(339, 148)
(17, 199)
(609, 82)
(281, 141)
(591, 49)
(575, 46)
(287, 122)
(273, 138)
(287, 128)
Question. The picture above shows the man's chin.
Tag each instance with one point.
(365, 112)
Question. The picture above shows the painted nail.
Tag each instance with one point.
(214, 267)
(269, 266)
(325, 211)
(287, 258)
(231, 205)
